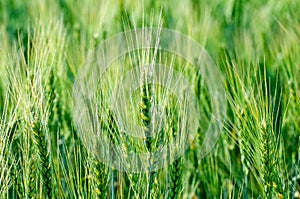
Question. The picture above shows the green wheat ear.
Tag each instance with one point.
(32, 176)
(100, 178)
(145, 114)
(57, 114)
(175, 181)
(175, 169)
(45, 167)
(145, 111)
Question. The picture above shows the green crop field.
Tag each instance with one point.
(150, 99)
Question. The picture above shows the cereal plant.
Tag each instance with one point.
(149, 99)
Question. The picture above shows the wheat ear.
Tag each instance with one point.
(45, 167)
(100, 178)
(175, 169)
(146, 118)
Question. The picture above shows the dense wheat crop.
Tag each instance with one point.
(153, 125)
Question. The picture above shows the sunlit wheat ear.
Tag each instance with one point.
(257, 139)
(269, 159)
(269, 137)
(45, 167)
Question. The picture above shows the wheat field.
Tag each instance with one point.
(219, 119)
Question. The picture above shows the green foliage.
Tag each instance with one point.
(255, 44)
